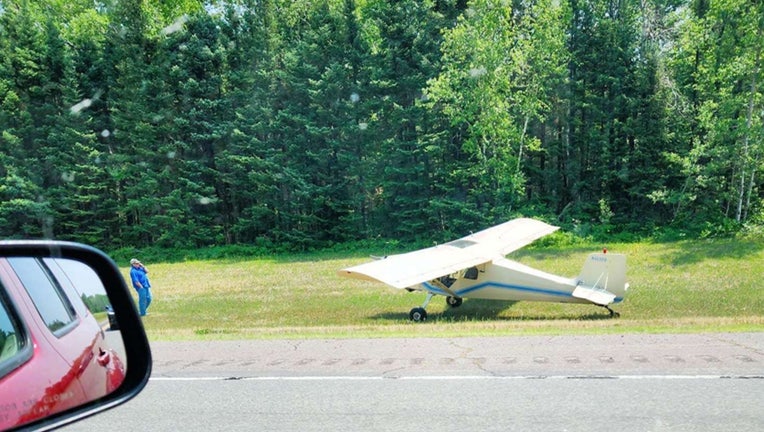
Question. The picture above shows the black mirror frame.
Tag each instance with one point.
(134, 337)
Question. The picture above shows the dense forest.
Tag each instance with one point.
(303, 124)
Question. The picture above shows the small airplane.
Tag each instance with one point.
(475, 267)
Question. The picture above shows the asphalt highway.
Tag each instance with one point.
(695, 382)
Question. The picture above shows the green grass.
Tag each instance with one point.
(688, 286)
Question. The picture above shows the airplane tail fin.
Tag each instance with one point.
(603, 279)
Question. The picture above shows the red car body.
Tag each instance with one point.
(49, 366)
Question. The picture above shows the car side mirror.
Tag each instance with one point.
(71, 341)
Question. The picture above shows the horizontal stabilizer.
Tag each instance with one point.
(602, 279)
(596, 296)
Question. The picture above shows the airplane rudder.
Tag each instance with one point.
(602, 267)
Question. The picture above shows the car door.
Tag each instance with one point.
(34, 375)
(73, 331)
(79, 282)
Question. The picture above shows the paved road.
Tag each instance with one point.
(705, 382)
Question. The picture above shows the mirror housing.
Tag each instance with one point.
(122, 311)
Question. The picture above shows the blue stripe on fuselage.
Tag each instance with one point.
(490, 284)
(461, 293)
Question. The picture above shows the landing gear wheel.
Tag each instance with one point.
(454, 301)
(418, 314)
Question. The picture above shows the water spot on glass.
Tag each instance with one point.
(76, 108)
(175, 26)
(478, 72)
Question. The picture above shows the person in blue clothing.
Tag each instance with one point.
(140, 279)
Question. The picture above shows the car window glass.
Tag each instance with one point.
(50, 302)
(10, 340)
(82, 279)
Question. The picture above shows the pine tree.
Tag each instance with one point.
(604, 97)
(247, 200)
(406, 56)
(28, 104)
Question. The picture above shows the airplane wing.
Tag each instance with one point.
(409, 269)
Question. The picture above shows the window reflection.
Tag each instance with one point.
(82, 280)
(50, 302)
(54, 309)
(9, 339)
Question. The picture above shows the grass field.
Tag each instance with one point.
(688, 286)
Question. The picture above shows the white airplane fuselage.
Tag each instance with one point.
(503, 279)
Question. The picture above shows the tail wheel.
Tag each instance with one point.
(454, 301)
(418, 314)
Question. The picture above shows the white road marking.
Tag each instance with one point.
(457, 378)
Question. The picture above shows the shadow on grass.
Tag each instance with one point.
(490, 310)
(681, 252)
(693, 252)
